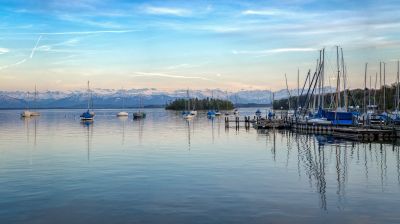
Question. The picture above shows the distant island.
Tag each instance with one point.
(200, 104)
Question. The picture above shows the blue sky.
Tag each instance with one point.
(190, 44)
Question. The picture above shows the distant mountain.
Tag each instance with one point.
(111, 98)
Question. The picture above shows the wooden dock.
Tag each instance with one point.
(362, 133)
(352, 133)
(271, 124)
(237, 121)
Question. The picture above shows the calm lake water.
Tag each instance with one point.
(54, 169)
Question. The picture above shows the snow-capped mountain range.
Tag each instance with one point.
(111, 98)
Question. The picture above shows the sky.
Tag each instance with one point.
(198, 44)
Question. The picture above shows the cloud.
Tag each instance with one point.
(150, 74)
(167, 11)
(91, 22)
(181, 66)
(272, 51)
(4, 50)
(87, 32)
(265, 12)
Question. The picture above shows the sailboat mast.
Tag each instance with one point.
(123, 98)
(88, 90)
(376, 80)
(337, 80)
(316, 81)
(35, 98)
(380, 84)
(273, 99)
(369, 92)
(384, 86)
(365, 88)
(398, 90)
(319, 80)
(344, 82)
(298, 88)
(188, 105)
(287, 88)
(323, 78)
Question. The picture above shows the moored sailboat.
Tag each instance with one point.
(139, 114)
(123, 113)
(88, 115)
(29, 113)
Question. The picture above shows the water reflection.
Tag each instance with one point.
(123, 121)
(88, 127)
(189, 123)
(312, 160)
(31, 123)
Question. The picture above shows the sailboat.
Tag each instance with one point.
(236, 111)
(188, 114)
(211, 113)
(371, 113)
(88, 115)
(258, 113)
(35, 113)
(122, 113)
(27, 112)
(139, 114)
(217, 112)
(395, 116)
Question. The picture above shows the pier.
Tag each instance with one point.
(351, 133)
(356, 133)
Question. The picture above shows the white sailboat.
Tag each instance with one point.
(35, 113)
(188, 113)
(193, 110)
(123, 113)
(27, 112)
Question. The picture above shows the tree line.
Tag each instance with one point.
(200, 104)
(355, 98)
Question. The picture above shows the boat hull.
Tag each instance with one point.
(122, 114)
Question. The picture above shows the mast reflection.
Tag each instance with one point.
(88, 126)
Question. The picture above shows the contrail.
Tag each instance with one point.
(23, 60)
(12, 65)
(34, 49)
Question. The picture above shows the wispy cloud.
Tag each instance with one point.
(272, 51)
(166, 11)
(4, 50)
(181, 66)
(89, 21)
(164, 75)
(265, 12)
(87, 32)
